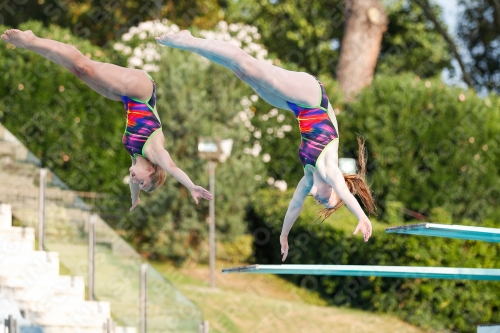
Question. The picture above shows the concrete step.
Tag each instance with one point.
(17, 239)
(7, 150)
(120, 329)
(72, 329)
(5, 216)
(39, 299)
(9, 140)
(35, 263)
(50, 293)
(75, 320)
(20, 169)
(61, 281)
(8, 307)
(10, 178)
(67, 307)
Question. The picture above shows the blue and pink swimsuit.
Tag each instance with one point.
(142, 122)
(316, 128)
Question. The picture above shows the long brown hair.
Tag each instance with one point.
(356, 183)
(157, 177)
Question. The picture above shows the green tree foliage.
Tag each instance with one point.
(479, 29)
(411, 43)
(429, 145)
(308, 33)
(442, 305)
(104, 21)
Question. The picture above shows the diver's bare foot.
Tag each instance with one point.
(179, 39)
(19, 38)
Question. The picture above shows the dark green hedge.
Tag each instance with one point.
(430, 145)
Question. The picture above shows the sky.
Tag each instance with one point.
(450, 13)
(450, 16)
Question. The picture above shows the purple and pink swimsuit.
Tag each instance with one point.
(142, 122)
(316, 128)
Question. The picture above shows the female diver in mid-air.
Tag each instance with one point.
(303, 94)
(143, 138)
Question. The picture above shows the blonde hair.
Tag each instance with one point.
(157, 177)
(356, 184)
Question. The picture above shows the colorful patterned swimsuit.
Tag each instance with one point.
(316, 128)
(142, 122)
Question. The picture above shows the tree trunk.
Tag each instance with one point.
(366, 23)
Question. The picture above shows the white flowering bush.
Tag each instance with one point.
(139, 46)
(142, 52)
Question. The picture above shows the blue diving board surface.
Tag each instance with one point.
(448, 231)
(489, 274)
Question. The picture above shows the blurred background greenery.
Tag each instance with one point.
(433, 146)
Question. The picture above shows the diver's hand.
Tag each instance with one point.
(135, 204)
(365, 226)
(284, 247)
(200, 192)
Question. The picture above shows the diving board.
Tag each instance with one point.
(490, 274)
(448, 231)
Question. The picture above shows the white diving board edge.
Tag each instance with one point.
(448, 231)
(487, 274)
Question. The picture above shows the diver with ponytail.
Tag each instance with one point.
(305, 96)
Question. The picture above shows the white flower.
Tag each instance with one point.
(245, 101)
(254, 98)
(134, 30)
(281, 185)
(241, 34)
(127, 50)
(273, 112)
(174, 28)
(266, 158)
(256, 149)
(223, 25)
(261, 54)
(270, 130)
(119, 46)
(233, 27)
(146, 26)
(143, 35)
(135, 62)
(151, 68)
(257, 134)
(270, 180)
(126, 37)
(280, 118)
(138, 52)
(286, 128)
